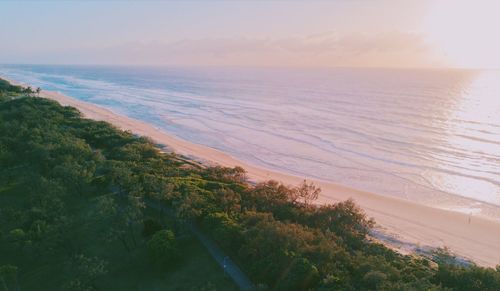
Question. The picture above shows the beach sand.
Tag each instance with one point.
(401, 224)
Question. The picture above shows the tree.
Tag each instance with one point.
(301, 274)
(230, 175)
(119, 174)
(305, 193)
(267, 197)
(373, 279)
(229, 200)
(190, 205)
(86, 270)
(123, 217)
(345, 219)
(224, 229)
(38, 90)
(8, 277)
(163, 248)
(28, 91)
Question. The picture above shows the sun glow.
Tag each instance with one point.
(472, 124)
(465, 33)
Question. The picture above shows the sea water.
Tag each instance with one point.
(430, 136)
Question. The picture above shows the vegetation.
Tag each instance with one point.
(75, 197)
(163, 248)
(74, 219)
(8, 90)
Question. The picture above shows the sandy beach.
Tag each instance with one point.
(402, 224)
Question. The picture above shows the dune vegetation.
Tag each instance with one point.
(75, 213)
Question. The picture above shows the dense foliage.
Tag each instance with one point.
(72, 213)
(7, 90)
(163, 247)
(69, 184)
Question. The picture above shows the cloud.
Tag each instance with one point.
(399, 49)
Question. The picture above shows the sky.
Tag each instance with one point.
(356, 33)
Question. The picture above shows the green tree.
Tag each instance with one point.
(28, 91)
(373, 279)
(8, 277)
(123, 218)
(301, 274)
(163, 248)
(229, 200)
(224, 229)
(85, 272)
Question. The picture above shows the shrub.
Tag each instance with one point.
(163, 248)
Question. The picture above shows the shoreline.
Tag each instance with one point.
(402, 224)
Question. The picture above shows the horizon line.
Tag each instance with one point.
(248, 66)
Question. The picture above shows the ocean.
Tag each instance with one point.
(429, 136)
